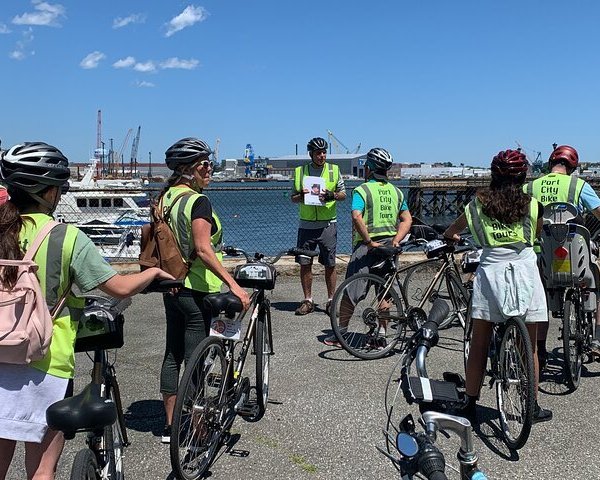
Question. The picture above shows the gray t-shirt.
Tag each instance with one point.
(340, 187)
(88, 267)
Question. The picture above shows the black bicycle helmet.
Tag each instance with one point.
(379, 160)
(315, 144)
(185, 152)
(34, 166)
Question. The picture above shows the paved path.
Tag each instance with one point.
(327, 409)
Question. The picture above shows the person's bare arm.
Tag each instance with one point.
(123, 286)
(453, 231)
(403, 227)
(201, 235)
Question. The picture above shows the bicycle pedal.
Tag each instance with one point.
(247, 410)
(213, 380)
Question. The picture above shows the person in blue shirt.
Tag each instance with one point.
(560, 185)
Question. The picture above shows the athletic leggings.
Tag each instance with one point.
(188, 323)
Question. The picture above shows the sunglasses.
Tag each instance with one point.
(207, 164)
(64, 188)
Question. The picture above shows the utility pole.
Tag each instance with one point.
(149, 165)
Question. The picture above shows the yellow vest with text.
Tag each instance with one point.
(54, 260)
(331, 174)
(199, 277)
(382, 206)
(555, 187)
(488, 232)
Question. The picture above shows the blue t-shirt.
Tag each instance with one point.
(359, 204)
(588, 198)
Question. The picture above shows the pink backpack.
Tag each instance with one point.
(25, 321)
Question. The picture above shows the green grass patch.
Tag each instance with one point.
(301, 462)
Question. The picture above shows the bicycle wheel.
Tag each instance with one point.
(417, 281)
(515, 385)
(459, 297)
(84, 466)
(113, 441)
(573, 340)
(367, 316)
(198, 412)
(263, 351)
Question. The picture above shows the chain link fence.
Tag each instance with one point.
(254, 217)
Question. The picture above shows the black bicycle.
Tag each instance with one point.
(371, 312)
(97, 410)
(416, 453)
(213, 389)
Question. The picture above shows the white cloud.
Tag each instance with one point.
(92, 60)
(46, 14)
(4, 28)
(133, 18)
(21, 50)
(144, 84)
(145, 67)
(187, 18)
(175, 62)
(125, 62)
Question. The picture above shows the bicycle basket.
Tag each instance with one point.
(470, 261)
(99, 328)
(255, 275)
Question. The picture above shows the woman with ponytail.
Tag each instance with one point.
(34, 174)
(199, 236)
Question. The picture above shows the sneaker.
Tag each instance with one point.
(166, 435)
(332, 341)
(305, 307)
(595, 346)
(376, 343)
(541, 414)
(328, 307)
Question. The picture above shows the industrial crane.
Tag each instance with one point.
(537, 163)
(123, 145)
(215, 153)
(134, 150)
(338, 143)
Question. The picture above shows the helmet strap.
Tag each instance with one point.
(45, 203)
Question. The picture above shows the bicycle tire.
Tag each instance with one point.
(85, 466)
(459, 297)
(198, 413)
(515, 367)
(572, 341)
(415, 287)
(262, 351)
(361, 337)
(113, 443)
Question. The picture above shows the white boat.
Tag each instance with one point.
(104, 199)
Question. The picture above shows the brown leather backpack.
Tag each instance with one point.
(159, 246)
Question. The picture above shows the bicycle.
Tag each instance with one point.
(370, 312)
(512, 373)
(213, 389)
(419, 454)
(97, 410)
(571, 280)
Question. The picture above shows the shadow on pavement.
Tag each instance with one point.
(491, 435)
(146, 416)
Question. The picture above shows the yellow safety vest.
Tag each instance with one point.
(382, 205)
(555, 187)
(199, 277)
(331, 174)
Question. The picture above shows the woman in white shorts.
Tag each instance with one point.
(504, 221)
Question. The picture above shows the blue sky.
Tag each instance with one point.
(430, 80)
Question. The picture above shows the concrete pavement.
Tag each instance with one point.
(326, 408)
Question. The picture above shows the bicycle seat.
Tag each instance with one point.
(223, 302)
(87, 411)
(385, 251)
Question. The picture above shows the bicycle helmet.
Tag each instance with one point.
(185, 152)
(510, 163)
(566, 154)
(315, 144)
(34, 166)
(379, 160)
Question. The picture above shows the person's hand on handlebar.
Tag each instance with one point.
(241, 294)
(454, 238)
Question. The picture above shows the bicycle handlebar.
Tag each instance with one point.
(258, 256)
(162, 286)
